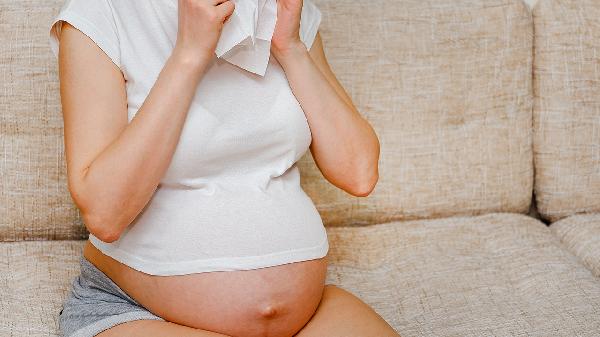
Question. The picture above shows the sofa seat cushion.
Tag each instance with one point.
(580, 234)
(498, 274)
(35, 277)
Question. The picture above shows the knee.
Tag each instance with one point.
(339, 295)
(329, 287)
(333, 290)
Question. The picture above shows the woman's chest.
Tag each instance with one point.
(237, 121)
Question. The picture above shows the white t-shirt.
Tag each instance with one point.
(231, 197)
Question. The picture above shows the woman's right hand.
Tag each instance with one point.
(200, 25)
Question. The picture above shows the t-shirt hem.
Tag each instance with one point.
(211, 265)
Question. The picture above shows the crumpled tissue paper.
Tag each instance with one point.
(246, 35)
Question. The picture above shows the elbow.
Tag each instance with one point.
(366, 174)
(108, 237)
(98, 226)
(95, 223)
(366, 186)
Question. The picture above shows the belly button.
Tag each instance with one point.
(268, 311)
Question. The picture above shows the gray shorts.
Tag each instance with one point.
(95, 303)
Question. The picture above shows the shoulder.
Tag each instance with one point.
(95, 19)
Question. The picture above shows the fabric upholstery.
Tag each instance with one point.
(530, 3)
(567, 107)
(447, 87)
(446, 84)
(35, 277)
(490, 275)
(580, 234)
(34, 199)
(497, 274)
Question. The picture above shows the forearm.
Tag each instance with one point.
(122, 179)
(344, 144)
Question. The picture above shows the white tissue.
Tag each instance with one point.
(246, 35)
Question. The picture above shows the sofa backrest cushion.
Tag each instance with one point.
(34, 199)
(567, 107)
(446, 85)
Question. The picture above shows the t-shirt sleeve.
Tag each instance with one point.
(95, 19)
(310, 19)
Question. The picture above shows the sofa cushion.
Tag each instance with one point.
(34, 199)
(496, 274)
(35, 277)
(446, 85)
(567, 107)
(580, 234)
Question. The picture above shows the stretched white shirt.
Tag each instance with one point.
(231, 197)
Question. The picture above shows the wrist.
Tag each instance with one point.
(190, 61)
(291, 54)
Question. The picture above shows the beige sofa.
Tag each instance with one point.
(484, 109)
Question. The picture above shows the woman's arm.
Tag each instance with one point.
(113, 167)
(345, 146)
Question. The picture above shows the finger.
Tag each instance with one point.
(207, 2)
(225, 8)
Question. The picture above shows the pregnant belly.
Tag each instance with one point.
(271, 301)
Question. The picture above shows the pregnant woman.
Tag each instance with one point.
(183, 166)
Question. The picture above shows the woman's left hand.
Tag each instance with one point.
(287, 29)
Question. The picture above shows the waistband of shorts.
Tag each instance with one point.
(87, 266)
(89, 270)
(91, 274)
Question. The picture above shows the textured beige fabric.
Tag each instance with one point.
(444, 83)
(580, 234)
(34, 200)
(491, 275)
(567, 107)
(530, 3)
(447, 87)
(35, 278)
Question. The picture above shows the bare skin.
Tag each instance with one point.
(114, 168)
(272, 301)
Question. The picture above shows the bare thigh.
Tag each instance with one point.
(155, 328)
(342, 314)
